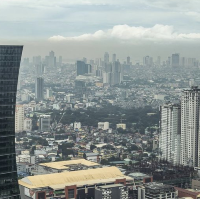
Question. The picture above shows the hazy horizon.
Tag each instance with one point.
(84, 28)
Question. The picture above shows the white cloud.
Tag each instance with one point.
(131, 33)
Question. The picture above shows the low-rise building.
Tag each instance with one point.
(114, 191)
(123, 126)
(155, 190)
(103, 125)
(193, 193)
(70, 185)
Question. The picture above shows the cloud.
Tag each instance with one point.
(131, 33)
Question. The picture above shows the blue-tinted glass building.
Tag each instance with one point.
(10, 57)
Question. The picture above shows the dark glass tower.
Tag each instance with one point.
(10, 57)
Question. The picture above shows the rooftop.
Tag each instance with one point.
(78, 178)
(62, 165)
(111, 186)
(157, 186)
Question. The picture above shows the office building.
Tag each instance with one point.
(190, 132)
(49, 93)
(51, 59)
(158, 62)
(39, 69)
(114, 191)
(72, 185)
(128, 60)
(114, 58)
(37, 60)
(148, 61)
(116, 76)
(183, 62)
(10, 57)
(107, 78)
(175, 60)
(155, 190)
(84, 60)
(39, 88)
(60, 60)
(106, 58)
(83, 68)
(19, 118)
(44, 122)
(170, 133)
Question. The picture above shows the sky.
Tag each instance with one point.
(88, 28)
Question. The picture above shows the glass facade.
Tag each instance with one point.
(10, 57)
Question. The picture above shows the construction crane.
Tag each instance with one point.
(54, 129)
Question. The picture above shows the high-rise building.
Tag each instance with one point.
(39, 88)
(114, 58)
(168, 62)
(158, 62)
(37, 60)
(10, 57)
(60, 60)
(49, 93)
(39, 69)
(106, 58)
(44, 122)
(52, 60)
(83, 68)
(183, 61)
(175, 60)
(107, 78)
(116, 73)
(128, 60)
(19, 118)
(84, 60)
(170, 133)
(190, 131)
(148, 61)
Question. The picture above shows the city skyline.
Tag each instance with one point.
(80, 28)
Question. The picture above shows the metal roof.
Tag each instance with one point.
(83, 177)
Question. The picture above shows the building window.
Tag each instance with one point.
(71, 193)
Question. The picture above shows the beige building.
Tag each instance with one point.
(70, 185)
(123, 126)
(19, 118)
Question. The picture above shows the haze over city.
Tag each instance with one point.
(99, 99)
(89, 28)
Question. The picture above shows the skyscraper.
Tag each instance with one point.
(52, 59)
(83, 68)
(170, 132)
(39, 88)
(60, 60)
(106, 58)
(148, 61)
(114, 58)
(128, 60)
(190, 131)
(10, 57)
(39, 69)
(175, 60)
